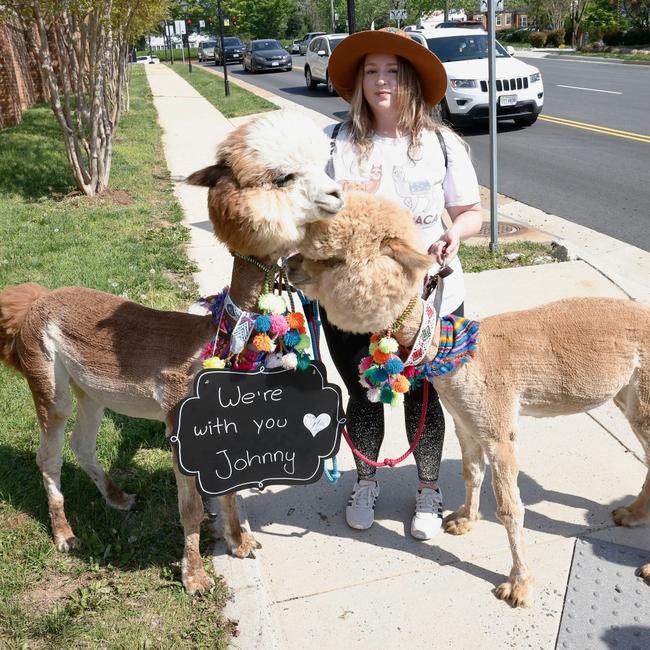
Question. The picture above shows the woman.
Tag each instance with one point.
(391, 145)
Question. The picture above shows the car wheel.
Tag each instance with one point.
(330, 86)
(309, 81)
(253, 68)
(529, 120)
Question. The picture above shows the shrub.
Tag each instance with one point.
(637, 36)
(537, 39)
(613, 37)
(555, 38)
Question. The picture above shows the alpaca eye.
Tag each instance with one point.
(284, 180)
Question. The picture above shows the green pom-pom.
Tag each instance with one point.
(398, 398)
(303, 361)
(386, 395)
(270, 303)
(371, 348)
(303, 343)
(388, 344)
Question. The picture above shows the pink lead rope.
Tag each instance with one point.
(391, 462)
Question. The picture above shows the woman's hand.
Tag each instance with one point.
(446, 248)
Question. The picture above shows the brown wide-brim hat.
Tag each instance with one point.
(350, 52)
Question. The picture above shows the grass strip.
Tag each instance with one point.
(211, 86)
(478, 257)
(121, 588)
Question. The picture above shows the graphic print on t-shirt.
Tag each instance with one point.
(371, 186)
(415, 193)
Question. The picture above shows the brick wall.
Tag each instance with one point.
(20, 80)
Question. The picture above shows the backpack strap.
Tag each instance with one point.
(443, 146)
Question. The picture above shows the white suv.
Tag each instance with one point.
(318, 58)
(463, 52)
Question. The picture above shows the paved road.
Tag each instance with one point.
(586, 159)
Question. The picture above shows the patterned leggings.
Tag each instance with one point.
(366, 419)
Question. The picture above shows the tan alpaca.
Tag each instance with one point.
(566, 357)
(137, 361)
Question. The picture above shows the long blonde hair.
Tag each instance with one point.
(414, 114)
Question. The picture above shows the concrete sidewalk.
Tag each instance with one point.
(316, 582)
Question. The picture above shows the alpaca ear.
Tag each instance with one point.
(405, 255)
(208, 176)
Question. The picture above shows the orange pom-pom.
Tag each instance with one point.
(380, 357)
(401, 384)
(375, 338)
(263, 343)
(295, 320)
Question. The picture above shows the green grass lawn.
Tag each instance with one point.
(121, 588)
(211, 86)
(476, 258)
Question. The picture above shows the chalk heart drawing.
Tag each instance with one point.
(315, 424)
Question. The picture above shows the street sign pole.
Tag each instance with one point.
(226, 83)
(493, 124)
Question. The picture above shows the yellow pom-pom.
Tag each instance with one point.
(214, 362)
(262, 343)
(388, 344)
(304, 342)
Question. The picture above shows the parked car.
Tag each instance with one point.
(458, 24)
(206, 51)
(318, 58)
(463, 52)
(266, 54)
(295, 46)
(147, 59)
(306, 40)
(234, 50)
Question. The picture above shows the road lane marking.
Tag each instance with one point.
(595, 90)
(603, 130)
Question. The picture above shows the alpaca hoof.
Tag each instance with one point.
(457, 524)
(644, 572)
(247, 547)
(198, 583)
(518, 592)
(625, 517)
(66, 544)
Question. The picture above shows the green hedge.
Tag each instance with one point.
(555, 38)
(537, 39)
(163, 55)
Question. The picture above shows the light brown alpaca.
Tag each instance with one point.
(137, 361)
(566, 357)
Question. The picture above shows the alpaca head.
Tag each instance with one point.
(268, 183)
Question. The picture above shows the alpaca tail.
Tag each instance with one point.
(15, 302)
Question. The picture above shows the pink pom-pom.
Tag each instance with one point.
(409, 371)
(365, 364)
(279, 325)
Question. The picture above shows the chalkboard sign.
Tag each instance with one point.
(244, 429)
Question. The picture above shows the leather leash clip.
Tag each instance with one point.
(432, 280)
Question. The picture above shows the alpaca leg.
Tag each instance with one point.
(240, 543)
(510, 511)
(634, 401)
(190, 506)
(53, 415)
(84, 446)
(461, 521)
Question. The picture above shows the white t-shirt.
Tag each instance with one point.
(423, 186)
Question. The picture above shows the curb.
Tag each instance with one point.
(596, 59)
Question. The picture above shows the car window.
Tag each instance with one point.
(316, 44)
(208, 44)
(334, 42)
(266, 45)
(463, 48)
(232, 40)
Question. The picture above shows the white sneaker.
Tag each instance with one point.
(360, 511)
(427, 520)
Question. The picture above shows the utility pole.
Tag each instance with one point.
(226, 83)
(492, 98)
(352, 17)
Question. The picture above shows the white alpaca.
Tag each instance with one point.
(268, 183)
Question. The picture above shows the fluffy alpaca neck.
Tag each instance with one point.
(247, 282)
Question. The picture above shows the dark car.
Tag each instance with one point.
(234, 48)
(266, 54)
(464, 24)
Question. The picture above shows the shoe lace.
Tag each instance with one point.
(428, 501)
(364, 496)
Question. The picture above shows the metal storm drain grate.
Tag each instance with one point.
(503, 229)
(606, 605)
